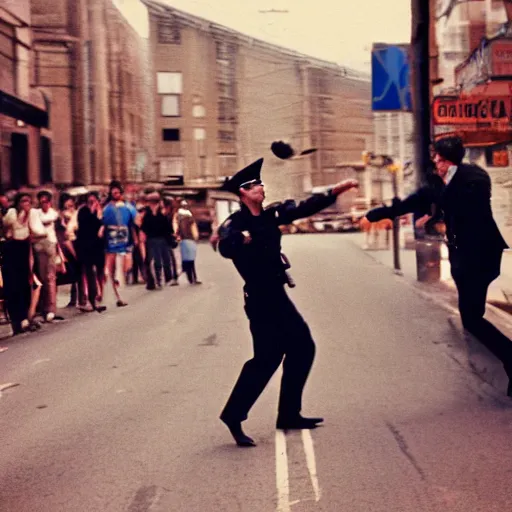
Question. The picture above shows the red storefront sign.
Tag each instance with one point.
(495, 111)
(501, 58)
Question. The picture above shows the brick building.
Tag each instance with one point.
(24, 134)
(92, 64)
(221, 98)
(473, 95)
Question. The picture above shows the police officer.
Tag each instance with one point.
(252, 239)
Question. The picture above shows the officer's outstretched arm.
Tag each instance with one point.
(288, 211)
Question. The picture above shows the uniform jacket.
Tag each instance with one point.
(474, 240)
(259, 261)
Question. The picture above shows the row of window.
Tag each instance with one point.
(175, 165)
(174, 135)
(170, 88)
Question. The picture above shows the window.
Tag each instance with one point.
(226, 110)
(171, 105)
(169, 32)
(171, 166)
(170, 134)
(497, 157)
(199, 134)
(198, 111)
(224, 50)
(169, 83)
(226, 136)
(227, 164)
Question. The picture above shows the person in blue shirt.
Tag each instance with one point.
(120, 234)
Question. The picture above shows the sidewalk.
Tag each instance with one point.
(470, 353)
(500, 290)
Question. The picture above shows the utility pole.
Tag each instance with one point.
(428, 254)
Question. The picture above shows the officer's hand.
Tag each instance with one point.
(364, 224)
(422, 221)
(440, 227)
(344, 185)
(247, 237)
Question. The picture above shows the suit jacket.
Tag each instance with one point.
(474, 241)
(259, 261)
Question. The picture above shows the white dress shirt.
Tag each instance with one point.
(48, 220)
(450, 174)
(19, 227)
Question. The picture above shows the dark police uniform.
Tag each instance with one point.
(277, 328)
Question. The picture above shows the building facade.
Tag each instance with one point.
(473, 95)
(24, 134)
(93, 65)
(221, 98)
(394, 136)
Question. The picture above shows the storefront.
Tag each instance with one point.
(24, 150)
(481, 114)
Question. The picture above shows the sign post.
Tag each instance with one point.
(391, 92)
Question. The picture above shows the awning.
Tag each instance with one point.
(496, 88)
(21, 110)
(479, 138)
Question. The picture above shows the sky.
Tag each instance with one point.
(340, 31)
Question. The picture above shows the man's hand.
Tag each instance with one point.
(422, 221)
(247, 237)
(214, 240)
(344, 185)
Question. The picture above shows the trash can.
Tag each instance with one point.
(428, 259)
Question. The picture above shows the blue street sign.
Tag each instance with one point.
(391, 78)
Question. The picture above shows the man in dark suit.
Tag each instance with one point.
(460, 194)
(251, 238)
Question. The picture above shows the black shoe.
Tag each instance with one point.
(297, 423)
(100, 309)
(238, 435)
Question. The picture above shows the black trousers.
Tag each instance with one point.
(278, 331)
(472, 299)
(157, 253)
(189, 267)
(174, 265)
(93, 267)
(16, 273)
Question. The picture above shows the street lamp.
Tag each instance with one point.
(383, 161)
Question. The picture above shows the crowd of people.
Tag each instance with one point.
(79, 241)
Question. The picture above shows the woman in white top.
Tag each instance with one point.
(46, 252)
(22, 225)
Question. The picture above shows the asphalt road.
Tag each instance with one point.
(119, 412)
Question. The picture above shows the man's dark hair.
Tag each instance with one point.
(92, 193)
(116, 184)
(44, 193)
(451, 149)
(63, 199)
(19, 197)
